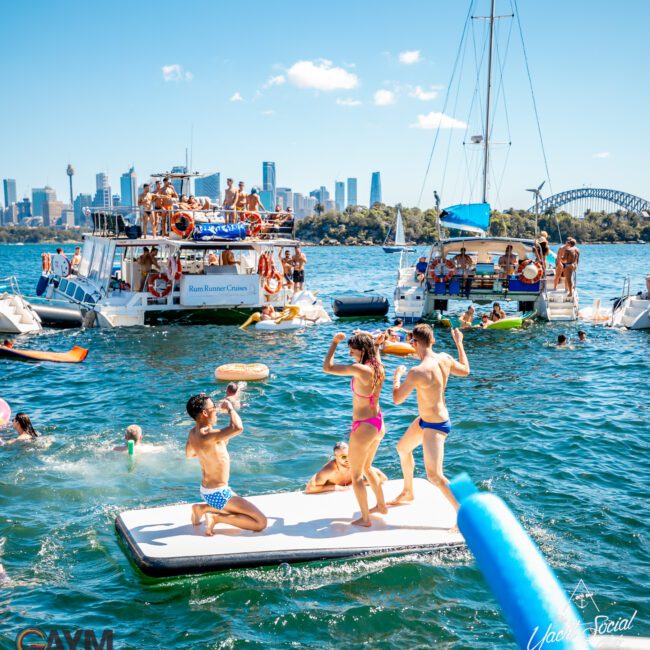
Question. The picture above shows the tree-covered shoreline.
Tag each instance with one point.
(363, 226)
(38, 235)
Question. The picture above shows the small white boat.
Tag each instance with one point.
(630, 311)
(400, 241)
(17, 316)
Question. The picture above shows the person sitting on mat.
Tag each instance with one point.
(335, 475)
(210, 446)
(24, 428)
(269, 313)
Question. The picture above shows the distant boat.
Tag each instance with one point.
(400, 242)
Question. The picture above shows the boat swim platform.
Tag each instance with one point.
(301, 528)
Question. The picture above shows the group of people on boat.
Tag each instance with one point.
(160, 202)
(352, 464)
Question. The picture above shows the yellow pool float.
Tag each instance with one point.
(242, 372)
(398, 349)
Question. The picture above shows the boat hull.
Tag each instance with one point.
(397, 249)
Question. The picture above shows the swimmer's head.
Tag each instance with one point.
(398, 322)
(23, 424)
(133, 432)
(423, 337)
(561, 339)
(485, 318)
(202, 406)
(582, 336)
(341, 454)
(231, 389)
(470, 309)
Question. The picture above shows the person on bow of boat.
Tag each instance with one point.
(367, 377)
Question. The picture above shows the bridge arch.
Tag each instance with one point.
(628, 202)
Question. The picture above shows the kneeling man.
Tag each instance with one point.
(210, 446)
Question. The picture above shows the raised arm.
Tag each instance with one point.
(402, 391)
(332, 368)
(459, 368)
(234, 428)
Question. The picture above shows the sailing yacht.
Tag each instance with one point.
(476, 267)
(399, 244)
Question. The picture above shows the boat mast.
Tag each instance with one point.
(486, 158)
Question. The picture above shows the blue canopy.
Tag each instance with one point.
(472, 217)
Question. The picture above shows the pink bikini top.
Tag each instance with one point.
(370, 397)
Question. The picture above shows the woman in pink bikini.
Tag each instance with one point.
(368, 376)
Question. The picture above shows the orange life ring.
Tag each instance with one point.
(520, 271)
(178, 220)
(274, 277)
(151, 285)
(438, 267)
(46, 262)
(253, 223)
(263, 265)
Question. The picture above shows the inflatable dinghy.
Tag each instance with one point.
(76, 355)
(301, 528)
(365, 305)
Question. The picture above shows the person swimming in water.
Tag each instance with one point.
(233, 395)
(23, 426)
(367, 373)
(335, 475)
(432, 425)
(210, 446)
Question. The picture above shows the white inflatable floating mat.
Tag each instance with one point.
(301, 528)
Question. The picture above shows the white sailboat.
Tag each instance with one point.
(399, 244)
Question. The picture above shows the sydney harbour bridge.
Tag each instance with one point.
(594, 199)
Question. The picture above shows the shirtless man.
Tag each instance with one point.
(507, 262)
(134, 432)
(159, 205)
(462, 261)
(229, 200)
(467, 319)
(146, 261)
(146, 201)
(169, 194)
(240, 201)
(559, 264)
(75, 261)
(253, 202)
(299, 262)
(336, 474)
(210, 446)
(570, 260)
(431, 427)
(269, 313)
(287, 269)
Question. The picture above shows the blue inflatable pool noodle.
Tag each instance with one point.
(535, 605)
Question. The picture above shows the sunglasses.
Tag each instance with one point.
(342, 457)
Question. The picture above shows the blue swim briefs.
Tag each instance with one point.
(216, 497)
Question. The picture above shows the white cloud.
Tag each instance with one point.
(435, 120)
(409, 57)
(269, 112)
(348, 102)
(424, 95)
(321, 75)
(385, 97)
(175, 72)
(237, 98)
(601, 154)
(278, 80)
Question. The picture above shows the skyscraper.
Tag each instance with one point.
(352, 192)
(339, 195)
(284, 197)
(375, 189)
(321, 195)
(10, 191)
(268, 179)
(209, 186)
(52, 210)
(103, 197)
(181, 185)
(82, 201)
(129, 188)
(39, 196)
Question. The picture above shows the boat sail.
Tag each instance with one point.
(400, 241)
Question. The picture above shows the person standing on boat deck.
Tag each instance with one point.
(253, 202)
(570, 261)
(367, 373)
(229, 200)
(541, 249)
(507, 262)
(146, 262)
(210, 446)
(75, 261)
(169, 194)
(159, 205)
(559, 264)
(240, 201)
(287, 269)
(299, 262)
(145, 200)
(432, 426)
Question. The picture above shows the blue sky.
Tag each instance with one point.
(326, 90)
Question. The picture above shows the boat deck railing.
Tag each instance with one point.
(10, 284)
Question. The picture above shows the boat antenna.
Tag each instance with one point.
(486, 157)
(436, 198)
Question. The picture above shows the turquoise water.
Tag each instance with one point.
(561, 435)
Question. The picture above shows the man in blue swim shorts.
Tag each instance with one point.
(432, 426)
(210, 446)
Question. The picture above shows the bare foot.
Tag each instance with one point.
(362, 522)
(197, 514)
(402, 499)
(380, 509)
(211, 521)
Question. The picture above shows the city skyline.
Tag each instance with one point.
(370, 104)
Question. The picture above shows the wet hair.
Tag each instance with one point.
(582, 333)
(398, 321)
(7, 343)
(339, 446)
(197, 404)
(232, 388)
(25, 424)
(365, 344)
(423, 334)
(133, 432)
(561, 338)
